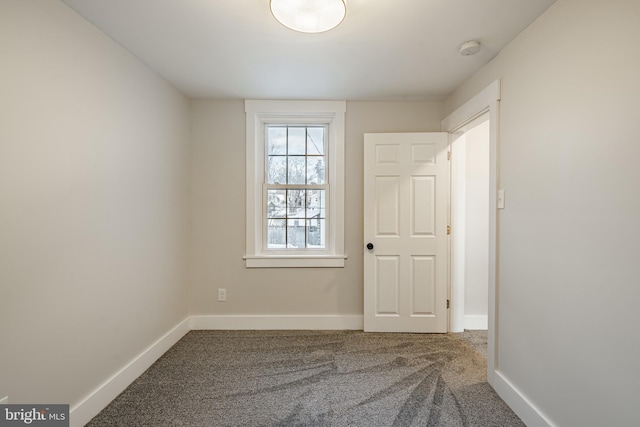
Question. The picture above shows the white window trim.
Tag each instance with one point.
(259, 114)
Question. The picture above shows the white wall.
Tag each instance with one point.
(476, 227)
(93, 159)
(569, 237)
(218, 221)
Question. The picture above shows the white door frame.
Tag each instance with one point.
(487, 100)
(458, 320)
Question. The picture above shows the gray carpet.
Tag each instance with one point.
(478, 339)
(312, 378)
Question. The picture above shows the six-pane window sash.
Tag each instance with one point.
(296, 187)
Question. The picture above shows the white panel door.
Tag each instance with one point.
(406, 209)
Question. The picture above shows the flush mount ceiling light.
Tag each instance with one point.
(309, 16)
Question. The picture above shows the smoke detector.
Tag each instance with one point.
(469, 48)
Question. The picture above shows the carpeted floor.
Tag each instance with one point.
(313, 378)
(478, 339)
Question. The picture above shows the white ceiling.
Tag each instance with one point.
(383, 50)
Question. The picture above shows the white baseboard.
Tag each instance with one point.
(519, 403)
(90, 406)
(473, 322)
(96, 401)
(299, 322)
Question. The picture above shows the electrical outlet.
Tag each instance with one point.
(222, 295)
(4, 400)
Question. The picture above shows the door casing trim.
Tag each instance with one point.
(487, 100)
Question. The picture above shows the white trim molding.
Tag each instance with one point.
(473, 108)
(82, 412)
(476, 322)
(487, 100)
(518, 402)
(278, 322)
(294, 261)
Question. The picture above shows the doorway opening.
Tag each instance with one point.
(470, 226)
(486, 101)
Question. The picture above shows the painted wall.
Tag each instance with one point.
(93, 160)
(569, 238)
(477, 226)
(218, 217)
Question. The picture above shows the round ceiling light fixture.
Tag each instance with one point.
(470, 48)
(309, 16)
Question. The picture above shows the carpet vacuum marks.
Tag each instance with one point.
(312, 378)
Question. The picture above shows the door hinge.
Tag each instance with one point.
(448, 155)
(448, 230)
(448, 303)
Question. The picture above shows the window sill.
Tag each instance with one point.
(293, 261)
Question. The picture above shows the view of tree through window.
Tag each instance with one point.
(296, 186)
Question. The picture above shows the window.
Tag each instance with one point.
(295, 183)
(296, 186)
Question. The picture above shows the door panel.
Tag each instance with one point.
(406, 197)
(422, 285)
(423, 190)
(387, 285)
(387, 199)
